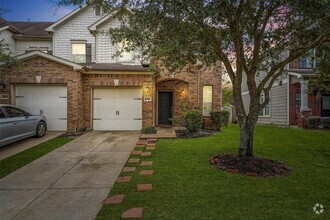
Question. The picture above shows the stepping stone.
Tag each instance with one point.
(117, 199)
(152, 140)
(150, 148)
(133, 213)
(141, 142)
(133, 160)
(144, 154)
(136, 152)
(143, 187)
(123, 179)
(146, 172)
(146, 163)
(151, 145)
(139, 146)
(129, 169)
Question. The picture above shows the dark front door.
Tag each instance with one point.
(325, 107)
(165, 104)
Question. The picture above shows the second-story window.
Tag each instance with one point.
(79, 53)
(125, 56)
(307, 61)
(97, 10)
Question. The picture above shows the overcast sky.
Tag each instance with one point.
(33, 10)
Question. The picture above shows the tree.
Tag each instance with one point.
(252, 38)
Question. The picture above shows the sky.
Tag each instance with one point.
(33, 10)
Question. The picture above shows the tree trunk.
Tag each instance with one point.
(245, 148)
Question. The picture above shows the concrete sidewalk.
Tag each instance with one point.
(20, 146)
(70, 182)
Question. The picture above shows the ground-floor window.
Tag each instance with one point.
(207, 100)
(265, 111)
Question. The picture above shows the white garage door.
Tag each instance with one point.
(117, 109)
(50, 101)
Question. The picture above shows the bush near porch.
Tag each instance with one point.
(186, 186)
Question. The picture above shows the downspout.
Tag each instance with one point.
(288, 100)
(154, 103)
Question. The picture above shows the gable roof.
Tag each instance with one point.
(31, 29)
(36, 53)
(6, 25)
(61, 21)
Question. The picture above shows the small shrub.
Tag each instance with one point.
(325, 122)
(220, 119)
(149, 130)
(313, 121)
(193, 120)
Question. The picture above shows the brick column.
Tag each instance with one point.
(302, 118)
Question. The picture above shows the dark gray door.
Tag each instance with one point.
(325, 107)
(165, 106)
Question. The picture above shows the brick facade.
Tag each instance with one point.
(51, 73)
(187, 88)
(314, 104)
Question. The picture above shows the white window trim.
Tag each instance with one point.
(264, 109)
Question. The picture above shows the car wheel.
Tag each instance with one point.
(41, 129)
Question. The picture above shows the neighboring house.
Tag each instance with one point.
(71, 76)
(291, 99)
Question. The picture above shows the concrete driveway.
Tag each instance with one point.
(70, 182)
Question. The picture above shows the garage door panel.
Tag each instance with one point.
(50, 101)
(117, 109)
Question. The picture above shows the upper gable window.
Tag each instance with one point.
(79, 52)
(308, 61)
(97, 10)
(125, 56)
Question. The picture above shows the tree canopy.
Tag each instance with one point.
(250, 38)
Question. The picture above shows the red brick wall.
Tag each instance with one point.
(51, 73)
(294, 112)
(91, 81)
(195, 79)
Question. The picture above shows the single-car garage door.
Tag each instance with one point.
(117, 109)
(50, 101)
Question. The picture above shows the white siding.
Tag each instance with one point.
(9, 41)
(23, 45)
(278, 105)
(75, 29)
(105, 48)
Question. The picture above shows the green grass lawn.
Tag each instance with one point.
(19, 160)
(186, 186)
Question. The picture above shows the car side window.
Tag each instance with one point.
(2, 115)
(14, 112)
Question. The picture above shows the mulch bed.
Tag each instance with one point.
(252, 166)
(197, 134)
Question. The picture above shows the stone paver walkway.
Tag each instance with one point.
(70, 182)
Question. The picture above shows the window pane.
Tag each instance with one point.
(14, 112)
(79, 58)
(267, 110)
(298, 99)
(78, 49)
(125, 56)
(326, 102)
(207, 100)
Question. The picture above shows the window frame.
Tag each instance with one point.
(207, 112)
(73, 55)
(263, 111)
(308, 58)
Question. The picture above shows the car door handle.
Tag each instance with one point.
(15, 122)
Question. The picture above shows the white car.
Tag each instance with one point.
(17, 124)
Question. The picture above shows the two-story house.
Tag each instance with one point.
(291, 99)
(70, 75)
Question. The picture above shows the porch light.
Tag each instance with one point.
(38, 79)
(116, 82)
(147, 89)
